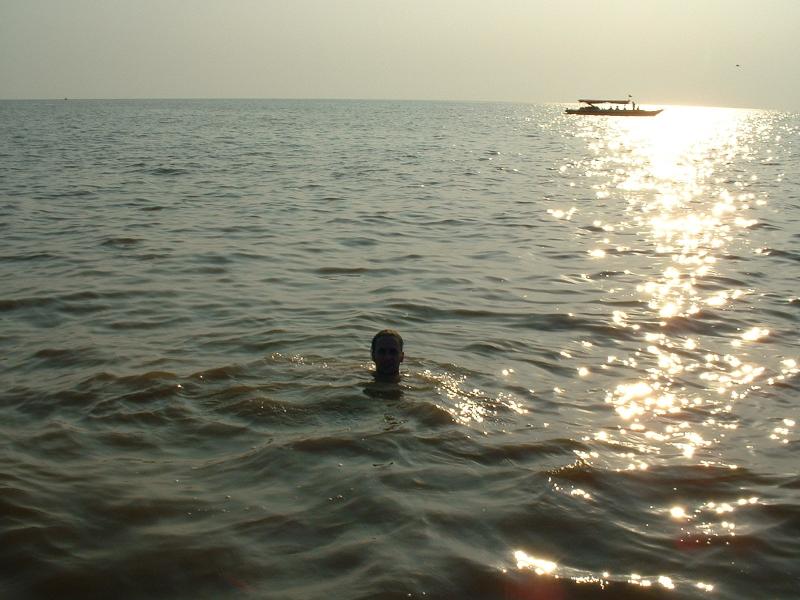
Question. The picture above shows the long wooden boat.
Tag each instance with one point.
(611, 108)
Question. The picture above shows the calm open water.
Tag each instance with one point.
(600, 395)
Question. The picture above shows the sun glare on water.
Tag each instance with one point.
(669, 176)
(673, 209)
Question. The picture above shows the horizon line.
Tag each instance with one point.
(353, 99)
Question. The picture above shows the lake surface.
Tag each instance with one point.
(600, 391)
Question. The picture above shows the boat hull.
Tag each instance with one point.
(613, 113)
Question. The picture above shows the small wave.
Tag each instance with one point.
(18, 504)
(104, 378)
(121, 242)
(68, 357)
(55, 439)
(705, 322)
(522, 452)
(763, 225)
(128, 440)
(168, 171)
(360, 242)
(155, 323)
(212, 270)
(694, 481)
(24, 303)
(342, 271)
(607, 274)
(338, 445)
(75, 302)
(218, 373)
(719, 282)
(785, 254)
(216, 259)
(152, 256)
(75, 193)
(28, 257)
(429, 414)
(486, 348)
(249, 403)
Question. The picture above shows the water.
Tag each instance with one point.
(600, 316)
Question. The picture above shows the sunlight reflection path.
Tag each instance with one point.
(681, 197)
(676, 204)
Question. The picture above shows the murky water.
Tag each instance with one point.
(600, 318)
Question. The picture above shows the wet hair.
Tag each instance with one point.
(387, 333)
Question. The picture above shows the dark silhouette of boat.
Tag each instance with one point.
(612, 108)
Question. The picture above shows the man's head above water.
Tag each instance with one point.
(387, 354)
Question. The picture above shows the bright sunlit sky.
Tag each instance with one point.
(660, 51)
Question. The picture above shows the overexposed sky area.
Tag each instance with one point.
(661, 51)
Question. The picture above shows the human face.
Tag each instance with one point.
(387, 356)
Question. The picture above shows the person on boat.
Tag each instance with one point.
(387, 354)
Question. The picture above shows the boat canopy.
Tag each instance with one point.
(628, 101)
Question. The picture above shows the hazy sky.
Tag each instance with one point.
(661, 51)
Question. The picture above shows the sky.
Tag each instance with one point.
(660, 51)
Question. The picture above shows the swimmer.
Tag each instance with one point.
(387, 354)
